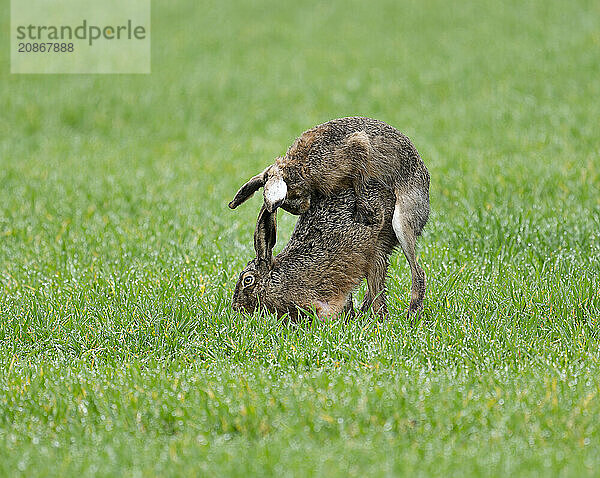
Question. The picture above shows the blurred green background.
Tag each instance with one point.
(118, 254)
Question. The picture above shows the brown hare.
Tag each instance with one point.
(326, 258)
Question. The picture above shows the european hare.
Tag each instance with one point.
(326, 258)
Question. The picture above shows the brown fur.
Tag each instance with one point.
(347, 152)
(356, 153)
(327, 257)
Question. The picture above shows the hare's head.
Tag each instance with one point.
(298, 191)
(253, 282)
(283, 185)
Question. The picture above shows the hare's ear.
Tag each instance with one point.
(248, 189)
(265, 235)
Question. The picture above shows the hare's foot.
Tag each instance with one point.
(417, 292)
(382, 313)
(349, 312)
(414, 316)
(380, 310)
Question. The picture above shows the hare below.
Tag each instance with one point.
(326, 258)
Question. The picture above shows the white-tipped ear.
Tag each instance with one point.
(275, 192)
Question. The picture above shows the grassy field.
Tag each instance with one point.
(119, 354)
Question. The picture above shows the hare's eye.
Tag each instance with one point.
(248, 281)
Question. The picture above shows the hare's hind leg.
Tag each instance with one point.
(375, 296)
(405, 222)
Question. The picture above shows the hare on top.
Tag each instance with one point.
(343, 153)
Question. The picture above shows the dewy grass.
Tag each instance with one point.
(119, 353)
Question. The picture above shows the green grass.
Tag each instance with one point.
(119, 354)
